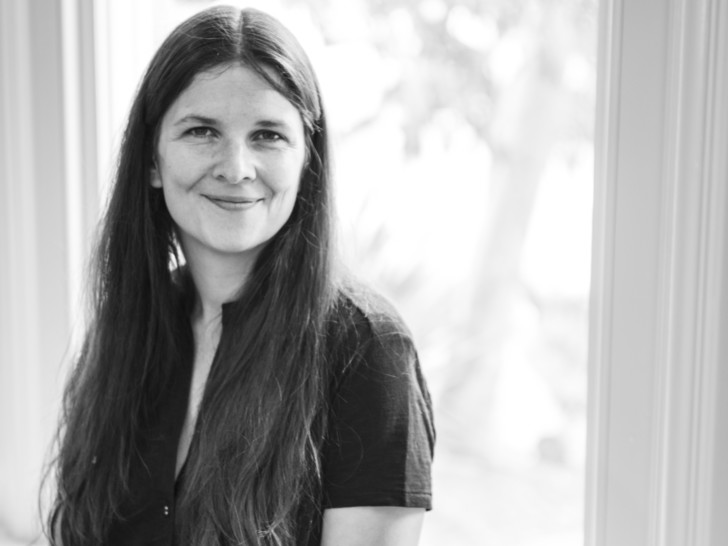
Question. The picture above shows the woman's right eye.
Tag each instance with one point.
(201, 132)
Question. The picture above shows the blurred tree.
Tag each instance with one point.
(504, 69)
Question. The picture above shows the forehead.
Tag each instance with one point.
(228, 91)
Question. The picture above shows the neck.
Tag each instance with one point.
(218, 279)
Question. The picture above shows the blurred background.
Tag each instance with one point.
(463, 150)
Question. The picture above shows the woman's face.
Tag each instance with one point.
(229, 158)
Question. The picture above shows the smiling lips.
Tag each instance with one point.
(233, 203)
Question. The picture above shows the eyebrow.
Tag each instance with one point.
(204, 120)
(193, 118)
(272, 124)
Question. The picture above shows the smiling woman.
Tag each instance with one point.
(252, 395)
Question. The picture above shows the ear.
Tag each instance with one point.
(154, 178)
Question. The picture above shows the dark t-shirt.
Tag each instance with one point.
(380, 439)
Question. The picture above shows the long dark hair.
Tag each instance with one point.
(253, 465)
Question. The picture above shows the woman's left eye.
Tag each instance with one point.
(269, 136)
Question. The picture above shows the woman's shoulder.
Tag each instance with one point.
(369, 313)
(368, 333)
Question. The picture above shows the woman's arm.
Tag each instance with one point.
(372, 526)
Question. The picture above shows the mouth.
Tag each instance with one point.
(233, 203)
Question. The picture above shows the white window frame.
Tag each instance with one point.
(658, 380)
(48, 205)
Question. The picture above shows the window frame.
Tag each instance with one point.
(659, 277)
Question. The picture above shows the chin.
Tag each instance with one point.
(239, 247)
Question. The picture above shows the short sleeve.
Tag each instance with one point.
(381, 435)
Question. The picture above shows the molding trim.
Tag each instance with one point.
(33, 277)
(602, 289)
(660, 277)
(80, 144)
(693, 256)
(47, 201)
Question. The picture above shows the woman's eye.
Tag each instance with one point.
(201, 132)
(268, 136)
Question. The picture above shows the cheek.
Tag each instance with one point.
(289, 173)
(282, 180)
(284, 201)
(180, 167)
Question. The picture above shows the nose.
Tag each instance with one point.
(235, 163)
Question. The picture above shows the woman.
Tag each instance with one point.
(232, 389)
